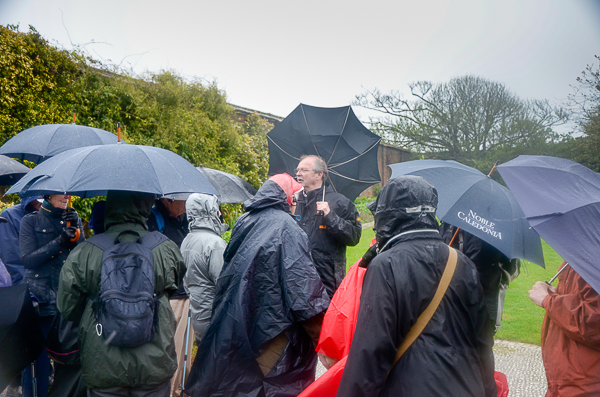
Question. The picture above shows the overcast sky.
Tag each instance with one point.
(273, 55)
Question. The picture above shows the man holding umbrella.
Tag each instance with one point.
(330, 220)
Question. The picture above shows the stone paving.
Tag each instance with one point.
(520, 362)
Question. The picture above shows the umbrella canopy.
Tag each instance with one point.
(561, 200)
(41, 142)
(93, 170)
(11, 171)
(470, 200)
(232, 188)
(335, 134)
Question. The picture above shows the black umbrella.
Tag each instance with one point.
(11, 171)
(21, 338)
(232, 188)
(335, 134)
(41, 142)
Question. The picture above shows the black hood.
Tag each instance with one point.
(405, 203)
(270, 194)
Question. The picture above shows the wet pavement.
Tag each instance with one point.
(520, 362)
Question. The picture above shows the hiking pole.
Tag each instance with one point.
(187, 343)
(556, 275)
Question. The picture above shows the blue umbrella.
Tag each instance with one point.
(561, 200)
(39, 143)
(93, 170)
(470, 200)
(11, 171)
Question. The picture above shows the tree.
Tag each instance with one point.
(586, 104)
(468, 119)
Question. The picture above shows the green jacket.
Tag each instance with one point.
(103, 365)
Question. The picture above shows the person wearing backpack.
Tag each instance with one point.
(131, 352)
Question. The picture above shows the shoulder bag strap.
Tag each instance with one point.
(424, 318)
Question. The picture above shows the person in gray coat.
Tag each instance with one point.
(202, 251)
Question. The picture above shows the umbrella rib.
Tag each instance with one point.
(347, 177)
(308, 128)
(280, 148)
(354, 158)
(339, 137)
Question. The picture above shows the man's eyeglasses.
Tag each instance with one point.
(302, 170)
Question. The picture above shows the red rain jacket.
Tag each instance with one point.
(571, 338)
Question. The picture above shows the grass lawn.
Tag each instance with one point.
(521, 319)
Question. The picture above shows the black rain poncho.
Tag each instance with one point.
(268, 286)
(446, 359)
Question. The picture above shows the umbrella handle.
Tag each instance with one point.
(454, 237)
(77, 233)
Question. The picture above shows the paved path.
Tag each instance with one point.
(520, 362)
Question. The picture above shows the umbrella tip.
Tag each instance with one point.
(118, 132)
(74, 115)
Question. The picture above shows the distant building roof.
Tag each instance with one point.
(243, 112)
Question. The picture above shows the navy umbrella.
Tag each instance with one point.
(335, 134)
(11, 171)
(41, 142)
(561, 200)
(93, 170)
(232, 188)
(472, 201)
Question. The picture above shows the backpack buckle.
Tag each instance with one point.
(99, 329)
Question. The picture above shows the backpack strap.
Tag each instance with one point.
(426, 315)
(153, 239)
(102, 241)
(160, 221)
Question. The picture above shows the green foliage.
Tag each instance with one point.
(586, 101)
(40, 84)
(361, 205)
(36, 81)
(469, 119)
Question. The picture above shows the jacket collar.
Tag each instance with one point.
(51, 211)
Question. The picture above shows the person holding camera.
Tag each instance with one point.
(46, 238)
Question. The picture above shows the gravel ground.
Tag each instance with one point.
(520, 362)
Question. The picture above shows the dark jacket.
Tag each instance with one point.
(9, 238)
(175, 229)
(42, 255)
(488, 261)
(268, 286)
(446, 359)
(103, 366)
(329, 235)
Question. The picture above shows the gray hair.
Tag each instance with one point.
(319, 165)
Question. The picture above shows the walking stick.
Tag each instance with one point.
(187, 340)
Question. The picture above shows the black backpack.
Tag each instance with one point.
(126, 304)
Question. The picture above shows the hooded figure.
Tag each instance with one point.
(108, 369)
(9, 236)
(202, 251)
(261, 340)
(400, 282)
